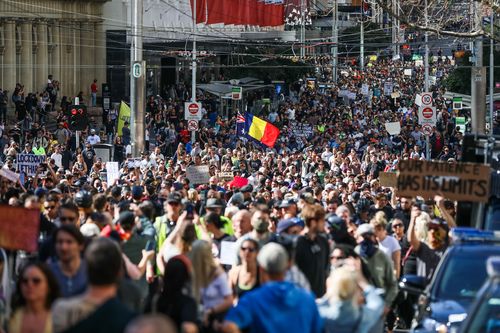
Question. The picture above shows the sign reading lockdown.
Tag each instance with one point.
(27, 163)
(454, 181)
(192, 111)
(198, 174)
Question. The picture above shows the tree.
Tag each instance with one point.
(441, 17)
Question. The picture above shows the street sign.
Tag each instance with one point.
(192, 111)
(426, 98)
(137, 70)
(427, 129)
(427, 115)
(457, 103)
(236, 93)
(192, 125)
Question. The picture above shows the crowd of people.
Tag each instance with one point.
(311, 242)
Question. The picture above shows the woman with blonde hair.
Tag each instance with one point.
(342, 308)
(210, 286)
(387, 243)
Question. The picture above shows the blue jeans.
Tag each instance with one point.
(93, 99)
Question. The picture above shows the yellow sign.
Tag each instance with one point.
(123, 117)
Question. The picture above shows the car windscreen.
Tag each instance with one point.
(464, 274)
(487, 317)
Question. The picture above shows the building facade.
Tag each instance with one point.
(62, 38)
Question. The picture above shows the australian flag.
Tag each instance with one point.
(240, 125)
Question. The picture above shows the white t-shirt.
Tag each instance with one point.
(389, 245)
(57, 157)
(93, 139)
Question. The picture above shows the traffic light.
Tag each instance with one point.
(77, 117)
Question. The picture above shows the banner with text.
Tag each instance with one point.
(28, 163)
(454, 181)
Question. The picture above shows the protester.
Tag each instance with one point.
(36, 290)
(98, 310)
(274, 306)
(245, 277)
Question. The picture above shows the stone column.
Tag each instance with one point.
(26, 64)
(42, 56)
(100, 55)
(87, 59)
(55, 54)
(9, 57)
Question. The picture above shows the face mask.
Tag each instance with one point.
(260, 225)
(367, 248)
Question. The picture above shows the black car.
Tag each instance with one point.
(484, 314)
(444, 304)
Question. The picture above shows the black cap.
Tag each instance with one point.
(214, 203)
(174, 197)
(247, 188)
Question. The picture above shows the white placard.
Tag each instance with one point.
(9, 174)
(28, 163)
(408, 72)
(393, 128)
(365, 89)
(228, 253)
(198, 174)
(388, 88)
(112, 172)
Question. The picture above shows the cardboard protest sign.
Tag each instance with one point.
(388, 179)
(198, 174)
(225, 176)
(393, 128)
(454, 181)
(28, 163)
(228, 253)
(19, 228)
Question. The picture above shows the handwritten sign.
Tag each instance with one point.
(301, 130)
(28, 163)
(455, 181)
(112, 172)
(225, 176)
(198, 174)
(19, 228)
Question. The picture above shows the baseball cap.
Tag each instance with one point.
(214, 203)
(287, 203)
(365, 229)
(273, 258)
(283, 225)
(174, 197)
(247, 188)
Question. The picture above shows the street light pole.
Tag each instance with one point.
(302, 29)
(492, 69)
(137, 74)
(193, 66)
(335, 40)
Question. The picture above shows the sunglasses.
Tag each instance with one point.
(337, 257)
(394, 226)
(249, 249)
(36, 281)
(65, 218)
(49, 207)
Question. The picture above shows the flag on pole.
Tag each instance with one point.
(261, 130)
(123, 116)
(240, 124)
